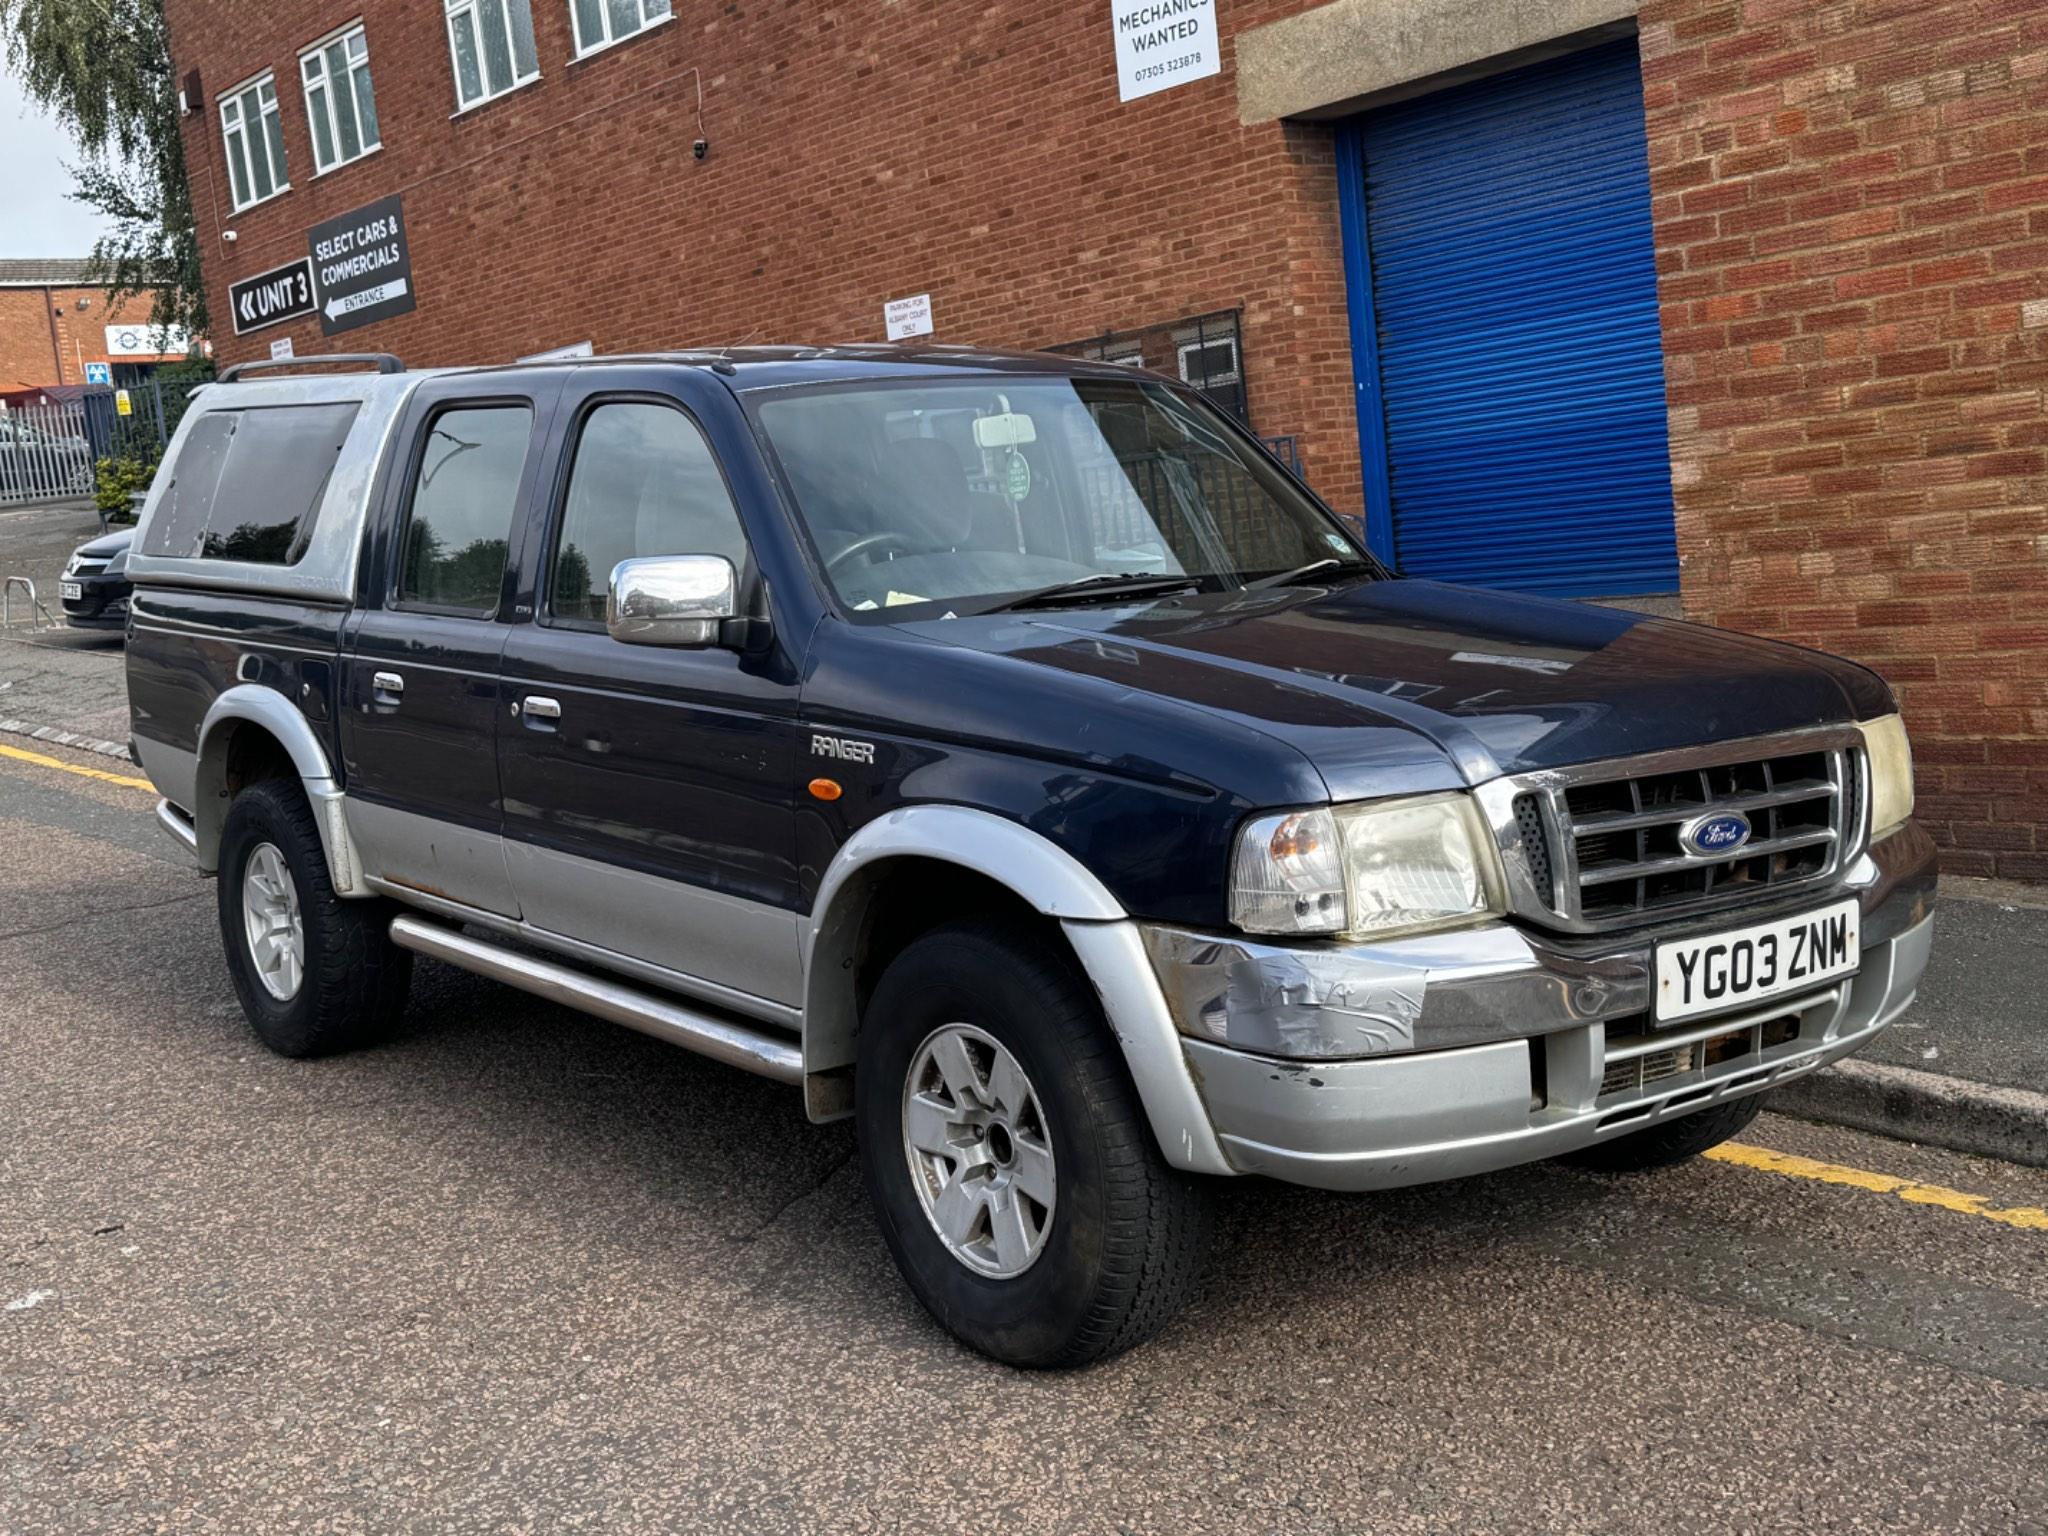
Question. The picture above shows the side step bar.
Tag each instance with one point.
(708, 1034)
(179, 825)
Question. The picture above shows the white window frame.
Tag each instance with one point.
(316, 54)
(238, 135)
(587, 46)
(469, 13)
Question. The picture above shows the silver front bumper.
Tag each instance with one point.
(1480, 1049)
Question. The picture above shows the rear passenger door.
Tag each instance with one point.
(648, 790)
(420, 685)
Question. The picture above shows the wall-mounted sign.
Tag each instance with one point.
(1163, 43)
(282, 293)
(361, 266)
(99, 373)
(145, 340)
(281, 349)
(567, 354)
(908, 317)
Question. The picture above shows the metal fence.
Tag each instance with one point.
(46, 452)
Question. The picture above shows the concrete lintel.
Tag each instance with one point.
(1349, 54)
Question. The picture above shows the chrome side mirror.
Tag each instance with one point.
(671, 599)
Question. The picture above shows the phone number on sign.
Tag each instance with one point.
(1166, 67)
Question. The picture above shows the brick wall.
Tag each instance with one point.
(1851, 210)
(25, 355)
(27, 317)
(1850, 206)
(859, 152)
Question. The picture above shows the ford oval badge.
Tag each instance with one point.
(1715, 835)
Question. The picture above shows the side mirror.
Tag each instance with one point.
(671, 599)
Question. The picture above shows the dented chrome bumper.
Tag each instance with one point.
(1375, 1065)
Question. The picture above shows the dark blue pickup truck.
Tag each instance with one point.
(1009, 753)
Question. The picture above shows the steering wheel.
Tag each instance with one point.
(868, 544)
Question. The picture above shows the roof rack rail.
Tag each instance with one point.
(383, 362)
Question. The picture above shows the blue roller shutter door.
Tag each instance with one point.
(1513, 308)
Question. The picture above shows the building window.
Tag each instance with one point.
(492, 44)
(1202, 350)
(339, 103)
(602, 22)
(255, 140)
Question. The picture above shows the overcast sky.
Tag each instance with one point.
(36, 217)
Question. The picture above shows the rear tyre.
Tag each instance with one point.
(1013, 1172)
(315, 974)
(1661, 1146)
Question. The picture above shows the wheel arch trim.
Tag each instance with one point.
(1052, 882)
(274, 714)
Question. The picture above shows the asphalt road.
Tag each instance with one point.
(521, 1271)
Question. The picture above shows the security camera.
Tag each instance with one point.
(228, 235)
(700, 148)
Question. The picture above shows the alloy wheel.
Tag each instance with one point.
(270, 917)
(979, 1149)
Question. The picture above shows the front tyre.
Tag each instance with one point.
(315, 974)
(1012, 1170)
(1674, 1141)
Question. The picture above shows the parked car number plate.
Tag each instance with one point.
(1748, 965)
(70, 591)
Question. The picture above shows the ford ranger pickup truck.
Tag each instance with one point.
(1008, 753)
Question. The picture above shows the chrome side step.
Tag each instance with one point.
(179, 825)
(726, 1040)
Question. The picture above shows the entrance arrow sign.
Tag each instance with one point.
(362, 266)
(334, 309)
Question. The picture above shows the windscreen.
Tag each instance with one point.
(959, 495)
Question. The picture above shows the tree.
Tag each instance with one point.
(104, 68)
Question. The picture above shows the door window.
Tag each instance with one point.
(644, 482)
(462, 506)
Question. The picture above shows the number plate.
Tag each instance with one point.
(69, 591)
(1748, 965)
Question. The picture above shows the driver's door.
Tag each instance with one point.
(648, 791)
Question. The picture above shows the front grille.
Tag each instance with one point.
(1642, 1071)
(1609, 853)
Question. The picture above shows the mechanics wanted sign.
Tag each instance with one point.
(1163, 43)
(362, 266)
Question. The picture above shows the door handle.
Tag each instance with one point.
(536, 707)
(385, 687)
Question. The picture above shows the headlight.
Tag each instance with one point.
(1890, 757)
(1364, 869)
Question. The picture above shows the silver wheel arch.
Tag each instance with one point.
(252, 704)
(1050, 881)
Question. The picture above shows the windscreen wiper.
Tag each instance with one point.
(1101, 584)
(1289, 578)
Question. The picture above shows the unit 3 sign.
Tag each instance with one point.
(269, 297)
(1163, 43)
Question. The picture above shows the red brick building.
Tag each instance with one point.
(1741, 299)
(53, 323)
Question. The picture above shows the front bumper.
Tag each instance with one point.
(1484, 1048)
(101, 603)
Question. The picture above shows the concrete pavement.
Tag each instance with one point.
(64, 684)
(521, 1271)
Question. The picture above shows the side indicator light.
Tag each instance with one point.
(826, 789)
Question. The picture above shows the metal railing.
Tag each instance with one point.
(46, 453)
(38, 615)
